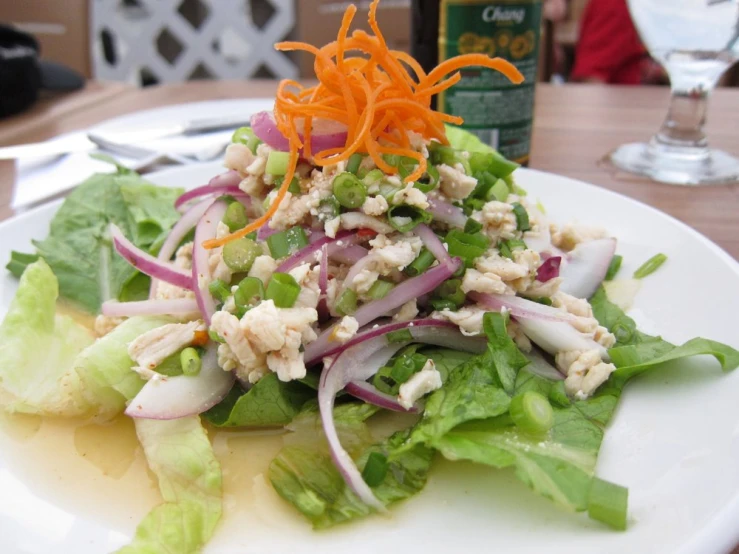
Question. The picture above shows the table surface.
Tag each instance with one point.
(575, 126)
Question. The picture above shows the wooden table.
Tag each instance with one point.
(575, 126)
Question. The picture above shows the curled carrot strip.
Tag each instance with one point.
(379, 94)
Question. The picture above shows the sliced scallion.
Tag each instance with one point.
(650, 266)
(283, 290)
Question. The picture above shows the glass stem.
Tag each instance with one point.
(683, 126)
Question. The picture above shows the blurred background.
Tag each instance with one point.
(146, 42)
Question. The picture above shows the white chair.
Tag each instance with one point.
(164, 41)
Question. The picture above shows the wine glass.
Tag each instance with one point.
(695, 41)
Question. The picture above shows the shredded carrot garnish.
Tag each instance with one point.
(379, 94)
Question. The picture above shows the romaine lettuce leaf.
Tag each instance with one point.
(78, 249)
(180, 455)
(475, 389)
(464, 140)
(307, 478)
(269, 403)
(37, 347)
(49, 364)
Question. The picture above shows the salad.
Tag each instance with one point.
(361, 254)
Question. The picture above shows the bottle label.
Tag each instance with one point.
(493, 108)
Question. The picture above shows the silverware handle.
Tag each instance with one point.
(125, 150)
(214, 124)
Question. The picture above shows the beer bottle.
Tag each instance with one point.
(499, 113)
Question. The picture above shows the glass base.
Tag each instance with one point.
(677, 165)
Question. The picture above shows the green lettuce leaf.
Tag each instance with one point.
(37, 347)
(636, 352)
(464, 140)
(49, 364)
(180, 455)
(269, 403)
(78, 248)
(307, 478)
(476, 389)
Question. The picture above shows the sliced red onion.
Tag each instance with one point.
(174, 397)
(359, 220)
(540, 366)
(148, 264)
(549, 269)
(183, 226)
(446, 212)
(557, 336)
(307, 253)
(200, 277)
(265, 231)
(432, 243)
(206, 190)
(314, 235)
(369, 394)
(322, 307)
(230, 178)
(325, 345)
(356, 269)
(358, 363)
(586, 267)
(176, 306)
(350, 255)
(520, 308)
(325, 133)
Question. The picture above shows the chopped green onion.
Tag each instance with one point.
(388, 191)
(465, 245)
(347, 303)
(542, 300)
(328, 209)
(401, 335)
(286, 242)
(532, 412)
(451, 290)
(219, 290)
(245, 135)
(407, 365)
(293, 188)
(540, 207)
(352, 166)
(239, 254)
(379, 289)
(650, 266)
(480, 161)
(608, 503)
(248, 289)
(472, 226)
(499, 191)
(485, 182)
(375, 469)
(440, 154)
(283, 290)
(613, 267)
(349, 190)
(518, 190)
(420, 264)
(429, 180)
(500, 166)
(522, 217)
(472, 204)
(235, 216)
(373, 177)
(505, 250)
(190, 361)
(215, 337)
(441, 304)
(277, 163)
(404, 218)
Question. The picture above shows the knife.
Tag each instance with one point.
(79, 142)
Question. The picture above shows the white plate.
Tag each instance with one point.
(674, 441)
(41, 179)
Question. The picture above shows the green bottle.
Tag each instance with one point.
(497, 111)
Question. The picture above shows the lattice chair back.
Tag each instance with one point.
(163, 41)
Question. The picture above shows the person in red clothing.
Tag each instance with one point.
(609, 49)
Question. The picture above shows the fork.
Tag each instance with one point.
(147, 159)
